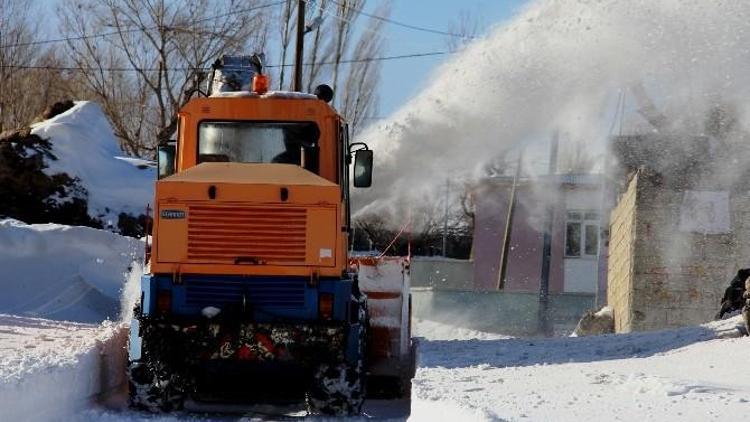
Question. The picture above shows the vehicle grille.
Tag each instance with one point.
(239, 234)
(260, 293)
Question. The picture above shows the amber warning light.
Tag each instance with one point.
(260, 83)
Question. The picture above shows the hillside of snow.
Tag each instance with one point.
(83, 141)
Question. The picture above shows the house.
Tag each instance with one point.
(470, 293)
(577, 259)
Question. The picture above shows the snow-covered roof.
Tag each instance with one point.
(269, 94)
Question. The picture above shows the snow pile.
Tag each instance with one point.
(433, 331)
(52, 370)
(85, 146)
(64, 273)
(561, 65)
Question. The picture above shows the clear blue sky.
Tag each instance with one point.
(402, 79)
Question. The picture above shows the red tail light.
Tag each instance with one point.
(163, 301)
(260, 83)
(325, 306)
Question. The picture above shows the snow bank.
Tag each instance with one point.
(64, 273)
(85, 146)
(431, 330)
(51, 370)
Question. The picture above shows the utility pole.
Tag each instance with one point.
(543, 317)
(509, 225)
(300, 48)
(445, 217)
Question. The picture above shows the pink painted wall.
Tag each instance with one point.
(525, 260)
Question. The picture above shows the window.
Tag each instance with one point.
(582, 234)
(255, 142)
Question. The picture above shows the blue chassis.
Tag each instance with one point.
(265, 297)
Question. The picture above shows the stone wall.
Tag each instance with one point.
(661, 275)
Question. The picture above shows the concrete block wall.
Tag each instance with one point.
(661, 277)
(510, 313)
(620, 263)
(442, 273)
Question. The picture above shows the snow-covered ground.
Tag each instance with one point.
(57, 370)
(690, 374)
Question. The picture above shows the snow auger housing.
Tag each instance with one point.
(250, 295)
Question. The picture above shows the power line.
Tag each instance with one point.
(404, 25)
(131, 69)
(108, 34)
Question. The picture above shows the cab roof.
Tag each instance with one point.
(259, 173)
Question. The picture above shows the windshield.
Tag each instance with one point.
(255, 142)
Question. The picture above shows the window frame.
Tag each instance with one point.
(200, 122)
(579, 217)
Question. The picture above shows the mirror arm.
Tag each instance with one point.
(361, 145)
(353, 148)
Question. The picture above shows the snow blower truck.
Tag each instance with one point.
(250, 296)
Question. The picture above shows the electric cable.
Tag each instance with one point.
(402, 24)
(107, 34)
(130, 69)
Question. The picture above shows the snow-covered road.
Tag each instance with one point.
(687, 374)
(51, 370)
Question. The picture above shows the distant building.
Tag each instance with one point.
(577, 265)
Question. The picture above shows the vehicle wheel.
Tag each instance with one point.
(152, 393)
(339, 389)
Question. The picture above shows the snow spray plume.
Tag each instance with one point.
(559, 65)
(131, 292)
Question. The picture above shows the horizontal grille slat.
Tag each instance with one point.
(222, 234)
(281, 294)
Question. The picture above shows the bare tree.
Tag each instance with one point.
(360, 91)
(345, 16)
(467, 27)
(316, 53)
(287, 20)
(575, 157)
(31, 74)
(331, 46)
(168, 46)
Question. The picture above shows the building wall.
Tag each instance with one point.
(620, 262)
(525, 259)
(662, 275)
(491, 197)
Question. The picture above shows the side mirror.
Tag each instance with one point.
(363, 168)
(165, 160)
